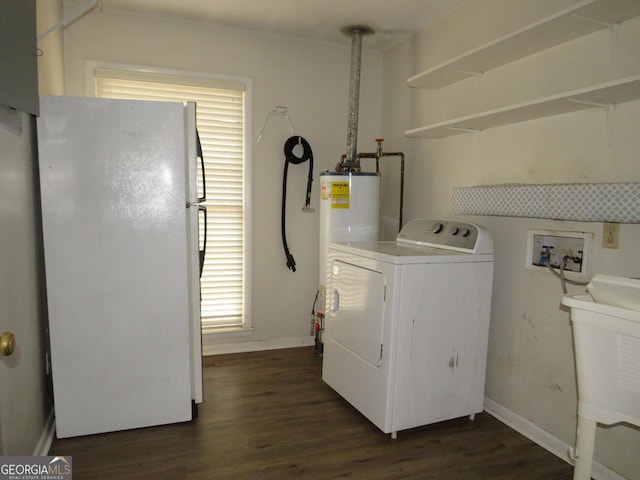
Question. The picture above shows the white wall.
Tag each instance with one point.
(530, 366)
(312, 80)
(51, 62)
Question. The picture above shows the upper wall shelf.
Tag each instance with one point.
(583, 18)
(601, 95)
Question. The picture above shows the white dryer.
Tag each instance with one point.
(407, 329)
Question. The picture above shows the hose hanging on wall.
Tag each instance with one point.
(290, 157)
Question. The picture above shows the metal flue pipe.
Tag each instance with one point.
(356, 32)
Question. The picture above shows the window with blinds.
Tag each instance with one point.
(221, 125)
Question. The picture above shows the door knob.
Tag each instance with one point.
(7, 343)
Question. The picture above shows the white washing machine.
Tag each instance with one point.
(406, 333)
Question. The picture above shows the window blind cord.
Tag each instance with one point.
(290, 157)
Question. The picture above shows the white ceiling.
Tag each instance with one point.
(319, 20)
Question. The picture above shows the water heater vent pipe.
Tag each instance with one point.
(356, 32)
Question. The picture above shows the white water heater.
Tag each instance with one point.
(349, 198)
(349, 210)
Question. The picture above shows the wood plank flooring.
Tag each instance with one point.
(268, 415)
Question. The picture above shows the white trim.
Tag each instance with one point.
(543, 438)
(46, 438)
(254, 346)
(248, 205)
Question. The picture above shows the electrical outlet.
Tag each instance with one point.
(554, 247)
(610, 235)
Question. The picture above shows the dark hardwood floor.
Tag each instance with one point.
(268, 415)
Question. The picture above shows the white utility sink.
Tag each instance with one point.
(615, 291)
(607, 350)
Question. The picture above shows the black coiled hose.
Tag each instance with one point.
(290, 157)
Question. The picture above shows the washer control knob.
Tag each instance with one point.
(465, 232)
(454, 230)
(437, 228)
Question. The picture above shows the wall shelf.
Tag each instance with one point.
(581, 19)
(601, 95)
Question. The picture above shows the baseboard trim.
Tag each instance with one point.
(46, 438)
(543, 438)
(255, 345)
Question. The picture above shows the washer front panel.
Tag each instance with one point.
(416, 353)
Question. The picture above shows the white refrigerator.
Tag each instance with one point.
(120, 211)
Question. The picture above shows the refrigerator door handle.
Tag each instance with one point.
(201, 157)
(202, 252)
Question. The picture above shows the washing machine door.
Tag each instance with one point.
(356, 313)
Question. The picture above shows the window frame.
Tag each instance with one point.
(90, 91)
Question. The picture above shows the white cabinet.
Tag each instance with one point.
(581, 19)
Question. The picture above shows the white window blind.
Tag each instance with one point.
(220, 123)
